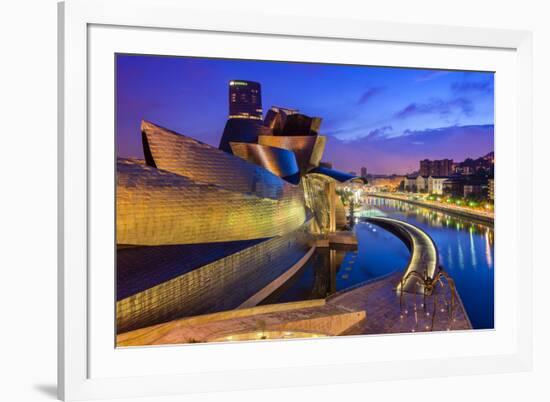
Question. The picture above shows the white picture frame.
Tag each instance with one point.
(78, 380)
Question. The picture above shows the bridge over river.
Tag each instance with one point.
(424, 254)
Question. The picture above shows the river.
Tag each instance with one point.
(466, 252)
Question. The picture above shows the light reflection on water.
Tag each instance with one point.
(466, 251)
(329, 271)
(470, 266)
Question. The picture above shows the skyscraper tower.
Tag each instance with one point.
(245, 100)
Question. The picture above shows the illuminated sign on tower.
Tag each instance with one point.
(245, 100)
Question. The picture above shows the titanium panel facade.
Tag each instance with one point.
(341, 220)
(285, 121)
(139, 268)
(336, 174)
(300, 124)
(308, 149)
(156, 207)
(278, 161)
(241, 130)
(203, 163)
(221, 285)
(318, 200)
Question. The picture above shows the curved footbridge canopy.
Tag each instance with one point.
(424, 255)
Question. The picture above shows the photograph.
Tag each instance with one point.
(271, 200)
(241, 201)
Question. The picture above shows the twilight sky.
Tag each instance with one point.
(386, 119)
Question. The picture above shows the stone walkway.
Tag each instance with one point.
(374, 308)
(323, 319)
(386, 314)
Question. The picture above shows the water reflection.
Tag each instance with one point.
(471, 267)
(488, 250)
(466, 252)
(330, 270)
(472, 249)
(460, 254)
(316, 280)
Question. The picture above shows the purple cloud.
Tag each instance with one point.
(431, 75)
(359, 131)
(379, 133)
(369, 94)
(437, 106)
(480, 86)
(401, 154)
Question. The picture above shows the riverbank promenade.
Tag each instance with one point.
(483, 216)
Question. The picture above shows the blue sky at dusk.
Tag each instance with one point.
(386, 119)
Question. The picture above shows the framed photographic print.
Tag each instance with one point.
(242, 199)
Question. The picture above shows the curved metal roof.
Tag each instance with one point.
(336, 174)
(279, 161)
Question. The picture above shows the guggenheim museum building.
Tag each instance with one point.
(202, 229)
